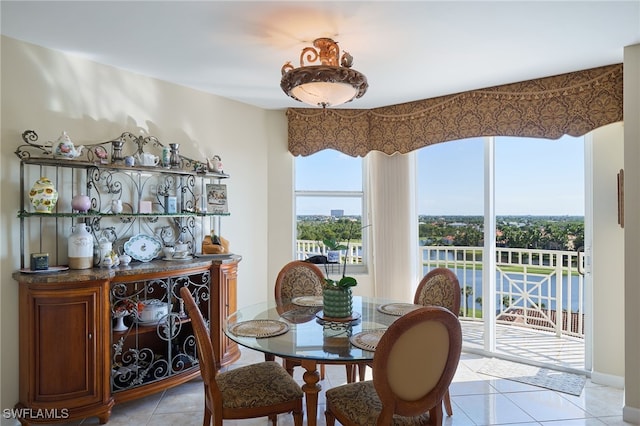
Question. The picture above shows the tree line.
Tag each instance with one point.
(532, 232)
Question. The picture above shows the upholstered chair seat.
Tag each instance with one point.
(361, 404)
(257, 385)
(259, 390)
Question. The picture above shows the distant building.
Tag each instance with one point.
(337, 213)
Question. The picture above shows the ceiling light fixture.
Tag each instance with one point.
(328, 84)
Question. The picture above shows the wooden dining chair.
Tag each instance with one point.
(413, 365)
(299, 278)
(264, 389)
(440, 287)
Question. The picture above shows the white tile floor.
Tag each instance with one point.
(477, 400)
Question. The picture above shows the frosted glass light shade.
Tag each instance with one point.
(324, 94)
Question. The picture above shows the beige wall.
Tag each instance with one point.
(50, 92)
(631, 412)
(607, 254)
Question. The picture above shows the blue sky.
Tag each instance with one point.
(533, 177)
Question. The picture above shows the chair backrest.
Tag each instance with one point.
(205, 350)
(298, 278)
(415, 361)
(440, 287)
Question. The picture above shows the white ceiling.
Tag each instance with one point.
(408, 50)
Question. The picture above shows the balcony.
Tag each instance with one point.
(539, 299)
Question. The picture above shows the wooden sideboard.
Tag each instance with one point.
(73, 364)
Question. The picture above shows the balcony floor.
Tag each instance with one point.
(531, 346)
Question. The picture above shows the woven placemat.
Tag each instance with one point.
(307, 301)
(259, 328)
(398, 309)
(367, 340)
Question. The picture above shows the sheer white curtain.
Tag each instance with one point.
(394, 225)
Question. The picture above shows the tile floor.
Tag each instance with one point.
(477, 400)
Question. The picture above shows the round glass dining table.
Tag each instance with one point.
(299, 331)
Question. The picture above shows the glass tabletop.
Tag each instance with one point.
(301, 331)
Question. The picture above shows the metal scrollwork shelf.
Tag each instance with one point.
(167, 200)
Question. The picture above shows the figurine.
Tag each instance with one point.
(64, 148)
(215, 164)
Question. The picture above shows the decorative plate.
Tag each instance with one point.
(307, 301)
(398, 309)
(143, 247)
(44, 271)
(367, 340)
(259, 328)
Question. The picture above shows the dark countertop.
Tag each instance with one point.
(135, 267)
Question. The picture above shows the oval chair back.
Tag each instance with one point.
(298, 278)
(413, 366)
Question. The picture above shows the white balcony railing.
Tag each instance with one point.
(535, 289)
(308, 248)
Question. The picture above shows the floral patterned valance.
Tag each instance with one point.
(572, 104)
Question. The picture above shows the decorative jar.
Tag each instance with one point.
(43, 195)
(337, 302)
(80, 247)
(81, 203)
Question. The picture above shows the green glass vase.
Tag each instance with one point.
(337, 302)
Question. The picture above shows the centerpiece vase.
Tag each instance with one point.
(337, 302)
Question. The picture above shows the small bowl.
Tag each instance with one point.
(125, 259)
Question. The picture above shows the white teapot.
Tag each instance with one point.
(147, 159)
(64, 148)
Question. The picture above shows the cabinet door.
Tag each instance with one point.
(62, 336)
(224, 302)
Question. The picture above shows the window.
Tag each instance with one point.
(329, 203)
(450, 194)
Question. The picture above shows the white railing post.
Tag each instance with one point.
(559, 287)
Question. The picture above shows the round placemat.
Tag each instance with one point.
(259, 328)
(367, 340)
(398, 309)
(307, 301)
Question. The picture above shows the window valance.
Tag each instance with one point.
(573, 104)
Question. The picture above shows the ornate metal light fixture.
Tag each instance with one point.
(328, 84)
